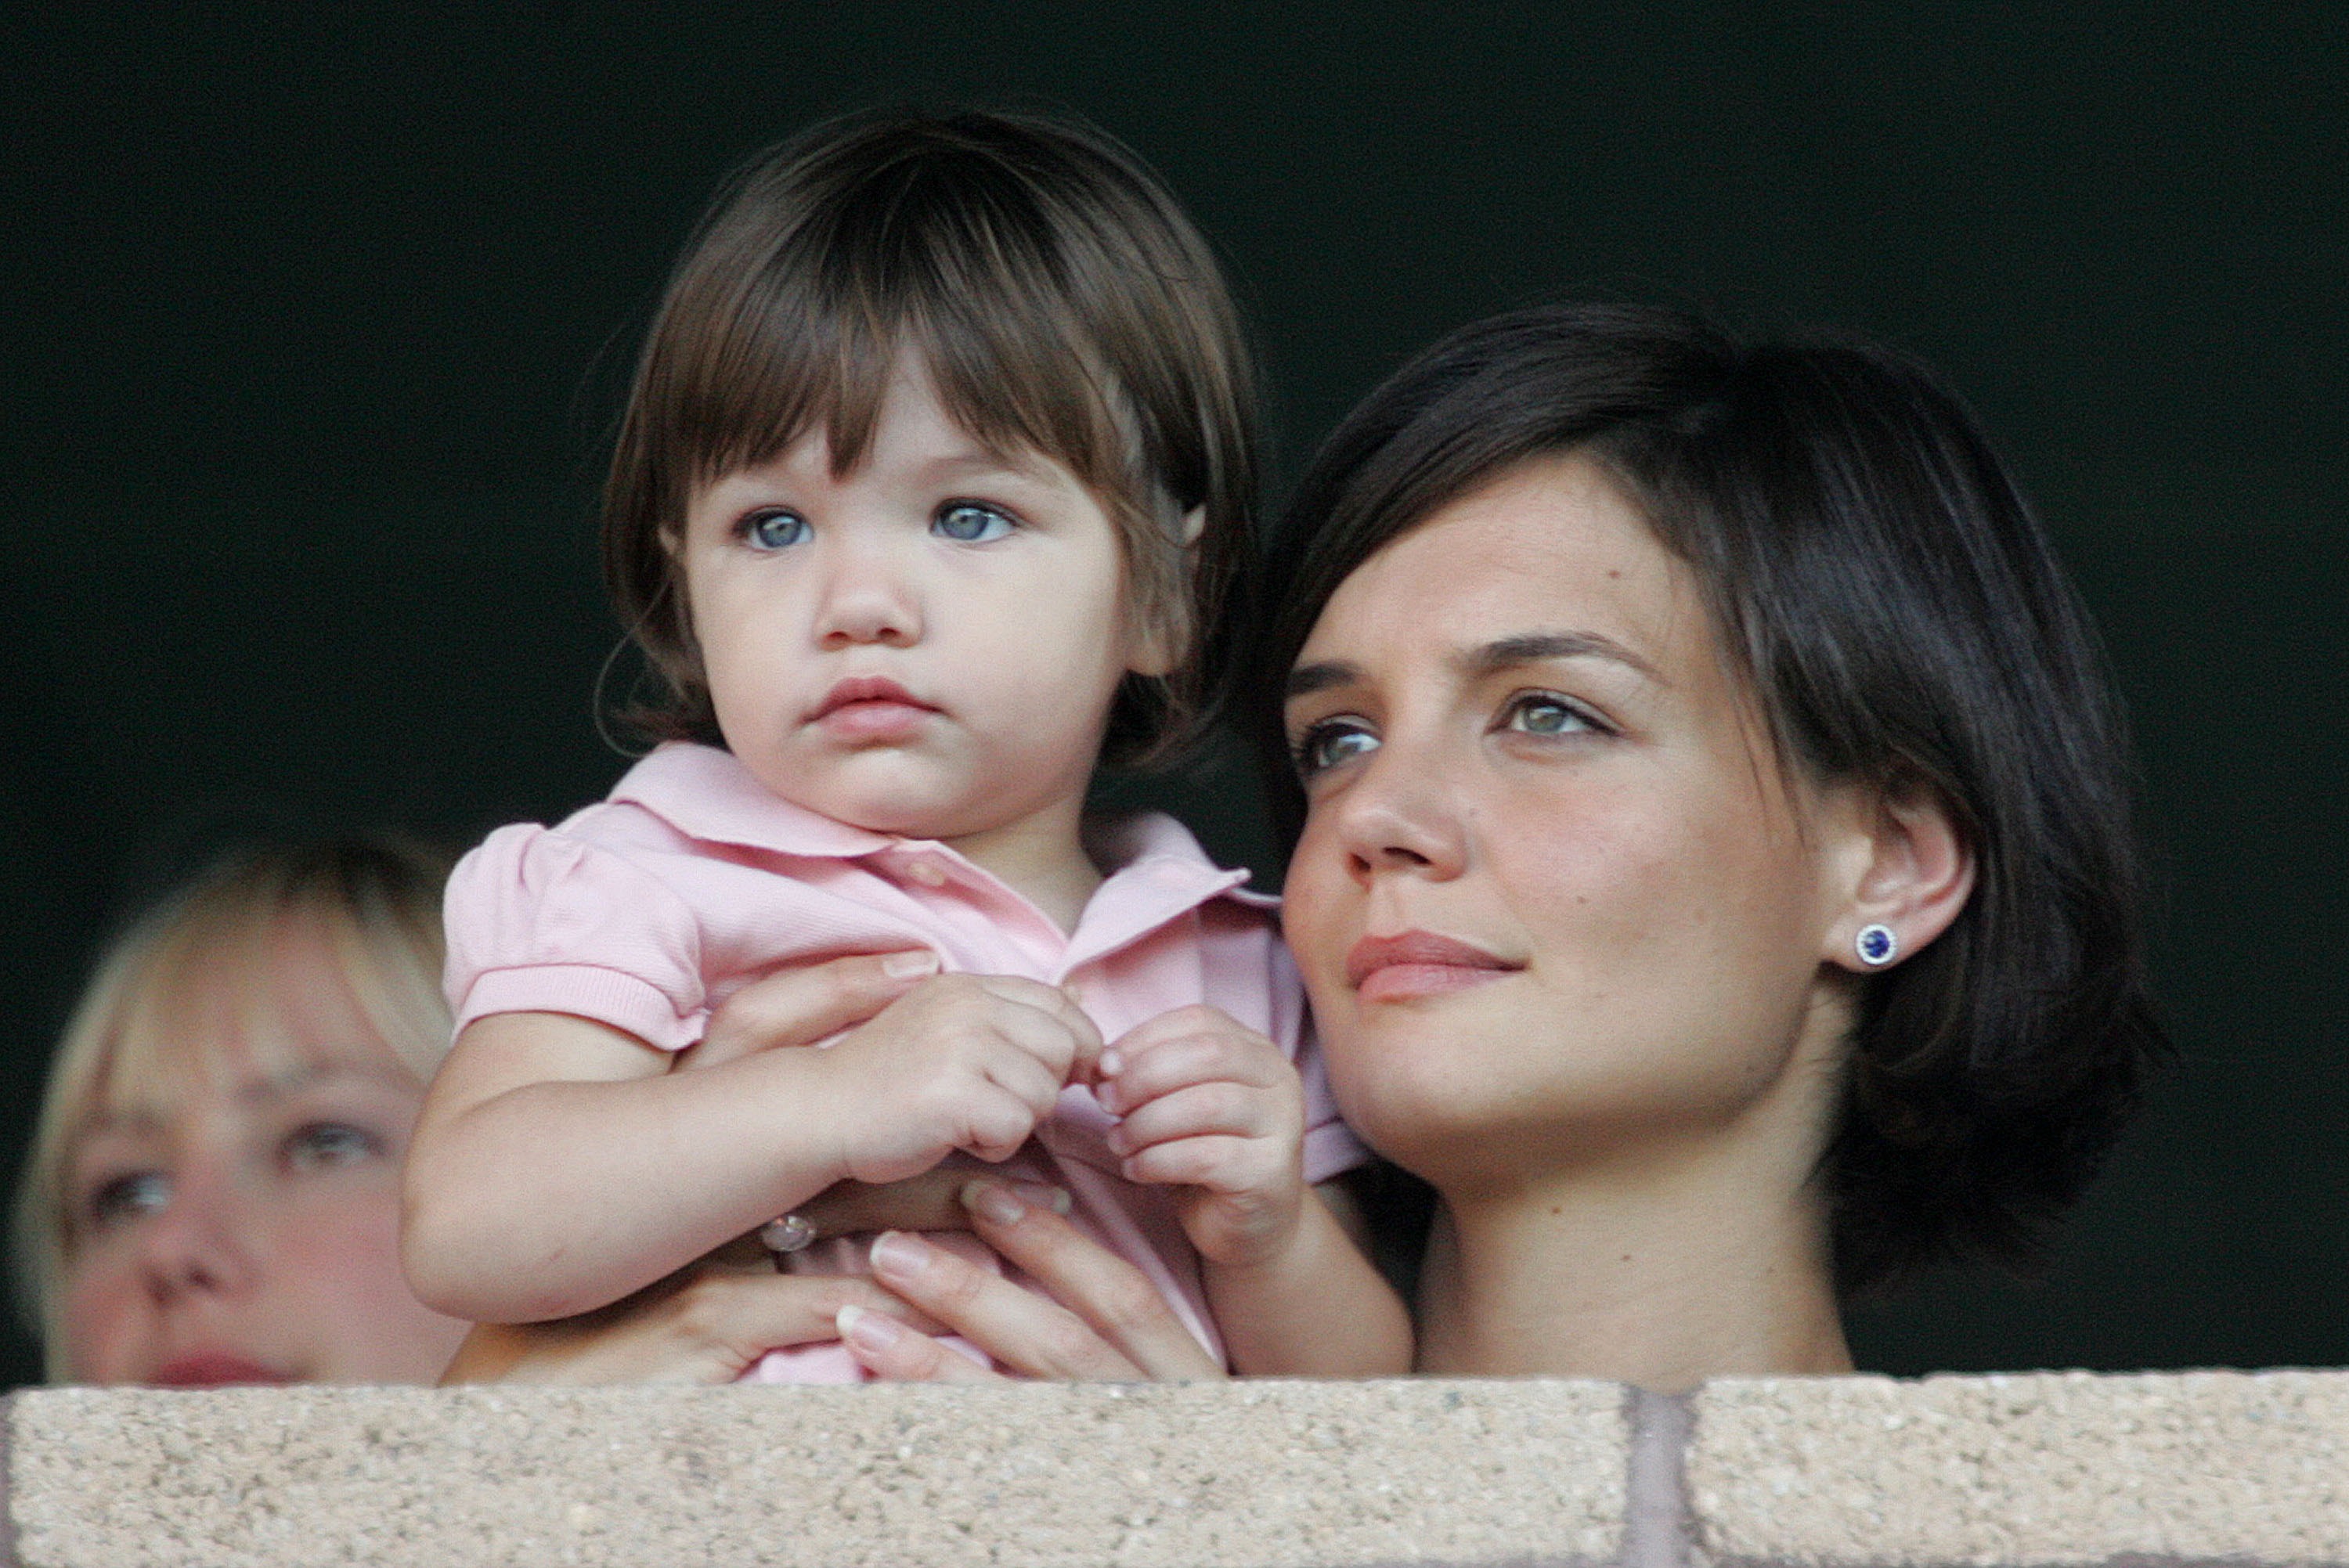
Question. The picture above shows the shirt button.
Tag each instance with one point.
(929, 873)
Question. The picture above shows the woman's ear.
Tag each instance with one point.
(1916, 873)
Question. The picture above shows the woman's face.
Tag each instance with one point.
(1553, 890)
(237, 1222)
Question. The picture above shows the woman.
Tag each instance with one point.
(1713, 879)
(213, 1194)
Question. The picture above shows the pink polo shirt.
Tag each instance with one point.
(647, 911)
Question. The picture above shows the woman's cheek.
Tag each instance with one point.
(345, 1297)
(105, 1336)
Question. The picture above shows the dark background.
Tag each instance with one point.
(313, 318)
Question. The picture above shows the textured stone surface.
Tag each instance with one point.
(1183, 1476)
(2059, 1468)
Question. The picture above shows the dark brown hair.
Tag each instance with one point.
(1897, 609)
(1060, 300)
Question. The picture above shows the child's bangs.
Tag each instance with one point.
(818, 337)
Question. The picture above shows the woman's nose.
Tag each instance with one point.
(202, 1241)
(1400, 815)
(868, 597)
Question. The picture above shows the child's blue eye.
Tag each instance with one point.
(776, 529)
(967, 523)
(1325, 745)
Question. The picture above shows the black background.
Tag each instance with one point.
(313, 316)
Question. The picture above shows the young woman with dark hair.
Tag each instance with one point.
(1714, 876)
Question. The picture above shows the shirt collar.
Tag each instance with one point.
(707, 794)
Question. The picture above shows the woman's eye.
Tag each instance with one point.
(1538, 714)
(321, 1145)
(132, 1195)
(966, 522)
(1325, 745)
(776, 529)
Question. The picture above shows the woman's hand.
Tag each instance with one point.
(1104, 1323)
(706, 1324)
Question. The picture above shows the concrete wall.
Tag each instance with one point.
(2054, 1469)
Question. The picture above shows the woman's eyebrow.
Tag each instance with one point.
(1532, 647)
(1306, 679)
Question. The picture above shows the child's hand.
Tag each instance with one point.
(962, 1061)
(1213, 1105)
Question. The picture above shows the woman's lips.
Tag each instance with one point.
(870, 709)
(1419, 964)
(215, 1369)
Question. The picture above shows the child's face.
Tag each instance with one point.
(926, 646)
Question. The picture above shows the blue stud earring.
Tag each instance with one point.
(1876, 945)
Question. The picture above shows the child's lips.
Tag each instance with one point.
(870, 709)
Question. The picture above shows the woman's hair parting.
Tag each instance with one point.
(376, 903)
(1896, 610)
(1059, 300)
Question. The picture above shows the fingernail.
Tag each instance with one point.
(1112, 1063)
(1056, 1199)
(910, 964)
(993, 1200)
(1115, 1138)
(893, 1251)
(868, 1331)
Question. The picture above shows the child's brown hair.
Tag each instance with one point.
(1061, 304)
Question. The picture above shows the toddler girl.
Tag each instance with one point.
(937, 460)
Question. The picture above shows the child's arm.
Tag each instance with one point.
(559, 1164)
(1214, 1107)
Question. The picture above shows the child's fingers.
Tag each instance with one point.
(1039, 1018)
(1218, 1162)
(1138, 1071)
(997, 1121)
(801, 1005)
(1195, 1111)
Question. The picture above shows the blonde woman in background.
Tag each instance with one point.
(213, 1194)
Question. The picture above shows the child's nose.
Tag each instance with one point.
(868, 599)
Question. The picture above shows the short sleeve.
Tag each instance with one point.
(543, 922)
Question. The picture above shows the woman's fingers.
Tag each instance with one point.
(801, 1006)
(706, 1326)
(1104, 1319)
(1020, 1329)
(890, 1351)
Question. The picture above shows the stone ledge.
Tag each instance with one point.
(2053, 1467)
(1294, 1474)
(2024, 1470)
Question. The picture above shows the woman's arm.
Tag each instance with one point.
(708, 1324)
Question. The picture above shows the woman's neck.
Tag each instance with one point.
(1660, 1266)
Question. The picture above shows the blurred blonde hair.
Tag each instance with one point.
(375, 903)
